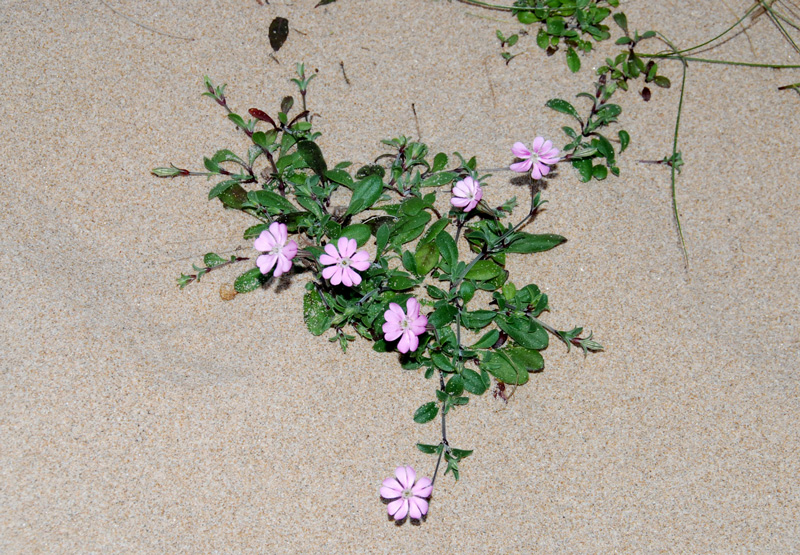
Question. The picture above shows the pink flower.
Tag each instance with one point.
(409, 499)
(467, 194)
(408, 325)
(537, 162)
(277, 251)
(342, 261)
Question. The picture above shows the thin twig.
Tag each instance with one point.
(142, 25)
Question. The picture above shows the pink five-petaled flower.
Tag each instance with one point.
(409, 499)
(467, 194)
(343, 262)
(537, 162)
(408, 324)
(277, 252)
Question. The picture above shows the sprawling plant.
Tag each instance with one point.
(405, 253)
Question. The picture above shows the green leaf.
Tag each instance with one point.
(573, 60)
(340, 176)
(272, 201)
(624, 140)
(220, 188)
(442, 316)
(455, 386)
(250, 281)
(599, 172)
(439, 179)
(529, 359)
(621, 20)
(484, 270)
(502, 367)
(439, 162)
(473, 382)
(412, 206)
(254, 231)
(526, 243)
(563, 106)
(488, 340)
(607, 112)
(312, 155)
(524, 332)
(477, 319)
(434, 230)
(662, 81)
(442, 362)
(315, 314)
(400, 283)
(426, 257)
(409, 228)
(427, 449)
(448, 249)
(527, 17)
(555, 26)
(234, 197)
(365, 194)
(426, 413)
(584, 167)
(360, 232)
(382, 237)
(212, 260)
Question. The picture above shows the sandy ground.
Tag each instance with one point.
(138, 418)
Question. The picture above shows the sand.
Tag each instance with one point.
(139, 418)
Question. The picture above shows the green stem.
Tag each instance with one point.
(722, 34)
(722, 62)
(684, 65)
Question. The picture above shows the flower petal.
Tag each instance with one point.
(393, 484)
(402, 476)
(412, 308)
(279, 231)
(355, 277)
(328, 272)
(520, 150)
(423, 487)
(265, 262)
(413, 341)
(544, 168)
(394, 307)
(389, 493)
(283, 266)
(327, 260)
(536, 172)
(404, 343)
(546, 147)
(398, 507)
(265, 242)
(521, 167)
(537, 144)
(360, 265)
(413, 509)
(421, 505)
(391, 331)
(360, 256)
(459, 202)
(347, 276)
(402, 511)
(290, 250)
(332, 252)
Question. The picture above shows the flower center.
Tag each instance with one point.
(407, 494)
(344, 262)
(276, 250)
(405, 324)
